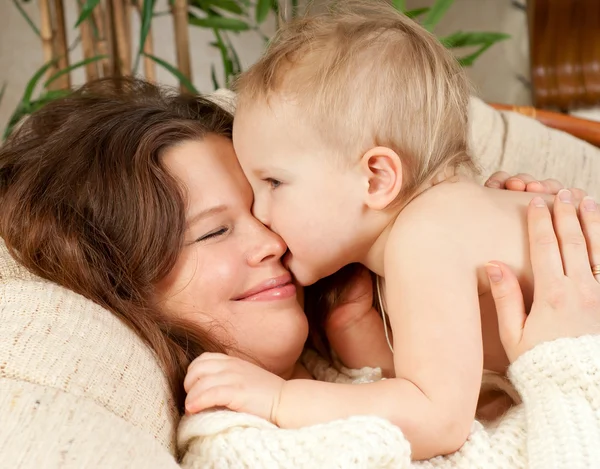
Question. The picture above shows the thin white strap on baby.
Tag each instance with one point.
(383, 314)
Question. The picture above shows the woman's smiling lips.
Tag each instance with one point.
(277, 288)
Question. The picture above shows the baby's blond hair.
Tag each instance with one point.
(365, 75)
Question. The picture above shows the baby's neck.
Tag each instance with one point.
(374, 258)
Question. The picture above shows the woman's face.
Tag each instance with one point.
(228, 277)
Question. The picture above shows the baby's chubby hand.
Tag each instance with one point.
(218, 380)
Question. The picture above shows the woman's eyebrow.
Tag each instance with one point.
(206, 213)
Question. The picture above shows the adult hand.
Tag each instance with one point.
(566, 292)
(526, 183)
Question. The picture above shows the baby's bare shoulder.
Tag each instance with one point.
(448, 208)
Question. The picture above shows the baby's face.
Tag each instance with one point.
(300, 191)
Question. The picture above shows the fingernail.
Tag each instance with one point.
(589, 204)
(494, 272)
(538, 202)
(535, 185)
(565, 196)
(493, 184)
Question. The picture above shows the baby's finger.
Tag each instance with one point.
(510, 307)
(202, 368)
(590, 221)
(544, 252)
(570, 237)
(207, 397)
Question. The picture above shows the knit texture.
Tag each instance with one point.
(76, 384)
(558, 426)
(505, 140)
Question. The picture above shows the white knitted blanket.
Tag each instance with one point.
(557, 426)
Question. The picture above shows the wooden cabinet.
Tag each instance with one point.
(565, 53)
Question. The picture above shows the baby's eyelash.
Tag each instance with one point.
(274, 183)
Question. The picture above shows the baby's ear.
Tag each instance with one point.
(383, 169)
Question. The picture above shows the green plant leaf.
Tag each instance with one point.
(235, 58)
(231, 6)
(399, 5)
(72, 67)
(175, 72)
(216, 22)
(146, 14)
(436, 13)
(32, 83)
(463, 39)
(16, 116)
(51, 95)
(27, 18)
(263, 7)
(23, 109)
(227, 63)
(86, 11)
(2, 92)
(213, 76)
(416, 12)
(469, 60)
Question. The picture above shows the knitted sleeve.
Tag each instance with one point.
(559, 383)
(557, 426)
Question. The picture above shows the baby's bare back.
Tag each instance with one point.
(492, 225)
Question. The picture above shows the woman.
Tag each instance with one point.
(135, 200)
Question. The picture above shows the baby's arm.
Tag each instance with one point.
(434, 312)
(433, 305)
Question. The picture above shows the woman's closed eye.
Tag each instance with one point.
(213, 234)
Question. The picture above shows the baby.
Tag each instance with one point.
(352, 130)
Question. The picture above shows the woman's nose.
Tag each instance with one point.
(267, 246)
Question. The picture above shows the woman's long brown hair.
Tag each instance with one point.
(87, 203)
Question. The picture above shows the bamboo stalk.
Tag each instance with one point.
(87, 44)
(102, 46)
(127, 8)
(47, 35)
(60, 45)
(149, 65)
(109, 25)
(120, 34)
(182, 41)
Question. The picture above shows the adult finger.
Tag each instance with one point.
(590, 221)
(497, 180)
(347, 333)
(578, 195)
(570, 237)
(520, 182)
(510, 307)
(548, 186)
(543, 245)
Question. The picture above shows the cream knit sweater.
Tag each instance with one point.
(557, 426)
(78, 389)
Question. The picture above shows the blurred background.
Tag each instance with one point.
(538, 52)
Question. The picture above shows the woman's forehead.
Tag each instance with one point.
(210, 173)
